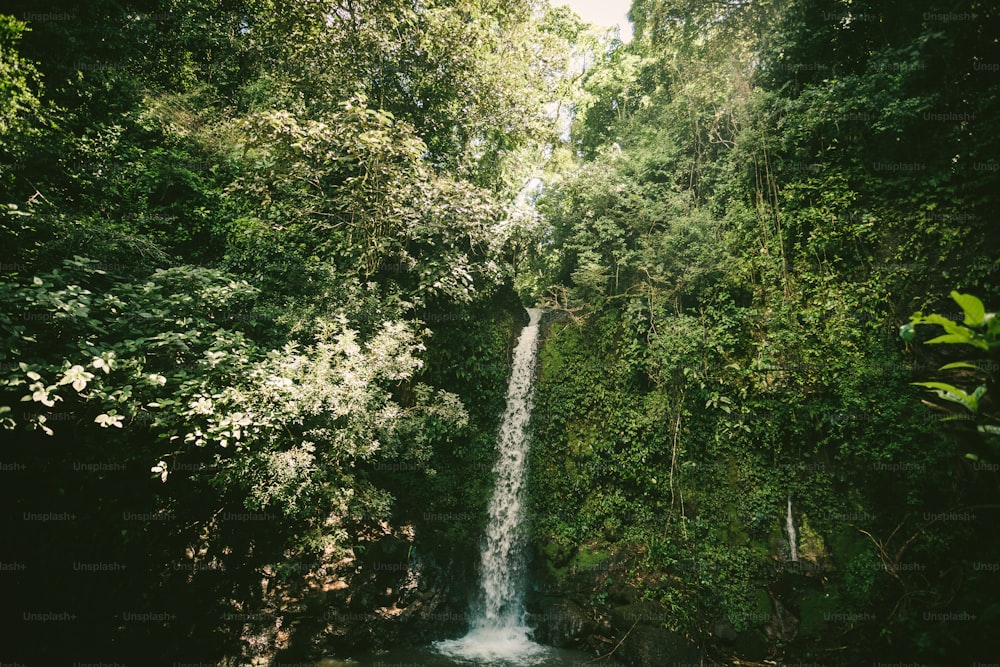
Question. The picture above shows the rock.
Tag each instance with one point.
(648, 645)
(643, 613)
(646, 641)
(621, 594)
(783, 625)
(562, 623)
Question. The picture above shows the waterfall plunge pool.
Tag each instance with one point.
(509, 644)
(486, 651)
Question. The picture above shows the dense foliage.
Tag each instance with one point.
(767, 191)
(256, 301)
(263, 265)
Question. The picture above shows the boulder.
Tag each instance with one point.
(562, 622)
(648, 645)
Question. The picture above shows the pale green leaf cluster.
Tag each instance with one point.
(172, 370)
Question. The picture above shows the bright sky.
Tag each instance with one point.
(603, 13)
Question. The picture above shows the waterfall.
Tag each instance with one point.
(790, 527)
(498, 628)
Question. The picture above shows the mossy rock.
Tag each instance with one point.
(647, 645)
(587, 560)
(557, 558)
(641, 613)
(812, 547)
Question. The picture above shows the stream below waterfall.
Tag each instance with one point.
(428, 655)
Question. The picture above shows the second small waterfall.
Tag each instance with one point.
(793, 547)
(498, 631)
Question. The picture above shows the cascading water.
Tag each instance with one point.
(498, 633)
(792, 537)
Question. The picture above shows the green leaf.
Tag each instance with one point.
(942, 386)
(951, 338)
(954, 394)
(972, 306)
(934, 318)
(959, 364)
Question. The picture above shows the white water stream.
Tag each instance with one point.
(498, 633)
(792, 537)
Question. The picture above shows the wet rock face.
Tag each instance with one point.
(783, 625)
(562, 622)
